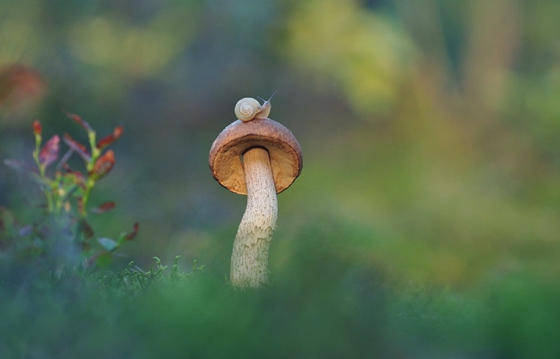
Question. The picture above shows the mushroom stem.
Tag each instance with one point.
(249, 260)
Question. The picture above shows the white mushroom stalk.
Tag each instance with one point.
(249, 260)
(260, 158)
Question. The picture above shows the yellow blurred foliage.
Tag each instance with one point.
(363, 52)
(133, 50)
(19, 42)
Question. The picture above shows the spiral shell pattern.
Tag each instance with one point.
(247, 108)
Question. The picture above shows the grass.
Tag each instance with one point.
(350, 313)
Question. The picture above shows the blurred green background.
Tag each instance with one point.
(430, 128)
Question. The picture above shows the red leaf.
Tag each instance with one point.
(105, 207)
(80, 122)
(78, 147)
(104, 164)
(134, 232)
(49, 152)
(37, 129)
(104, 142)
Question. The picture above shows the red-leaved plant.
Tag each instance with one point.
(63, 237)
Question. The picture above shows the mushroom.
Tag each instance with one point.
(258, 158)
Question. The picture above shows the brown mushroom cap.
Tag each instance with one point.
(227, 150)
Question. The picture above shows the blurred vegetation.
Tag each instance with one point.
(335, 311)
(430, 132)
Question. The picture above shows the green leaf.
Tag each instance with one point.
(107, 243)
(104, 260)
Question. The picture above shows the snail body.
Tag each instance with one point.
(248, 108)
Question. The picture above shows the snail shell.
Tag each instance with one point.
(248, 108)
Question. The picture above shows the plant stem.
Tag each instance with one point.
(90, 183)
(46, 186)
(249, 260)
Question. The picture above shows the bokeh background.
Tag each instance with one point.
(430, 128)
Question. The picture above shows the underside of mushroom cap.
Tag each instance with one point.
(227, 150)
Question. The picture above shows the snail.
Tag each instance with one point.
(248, 108)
